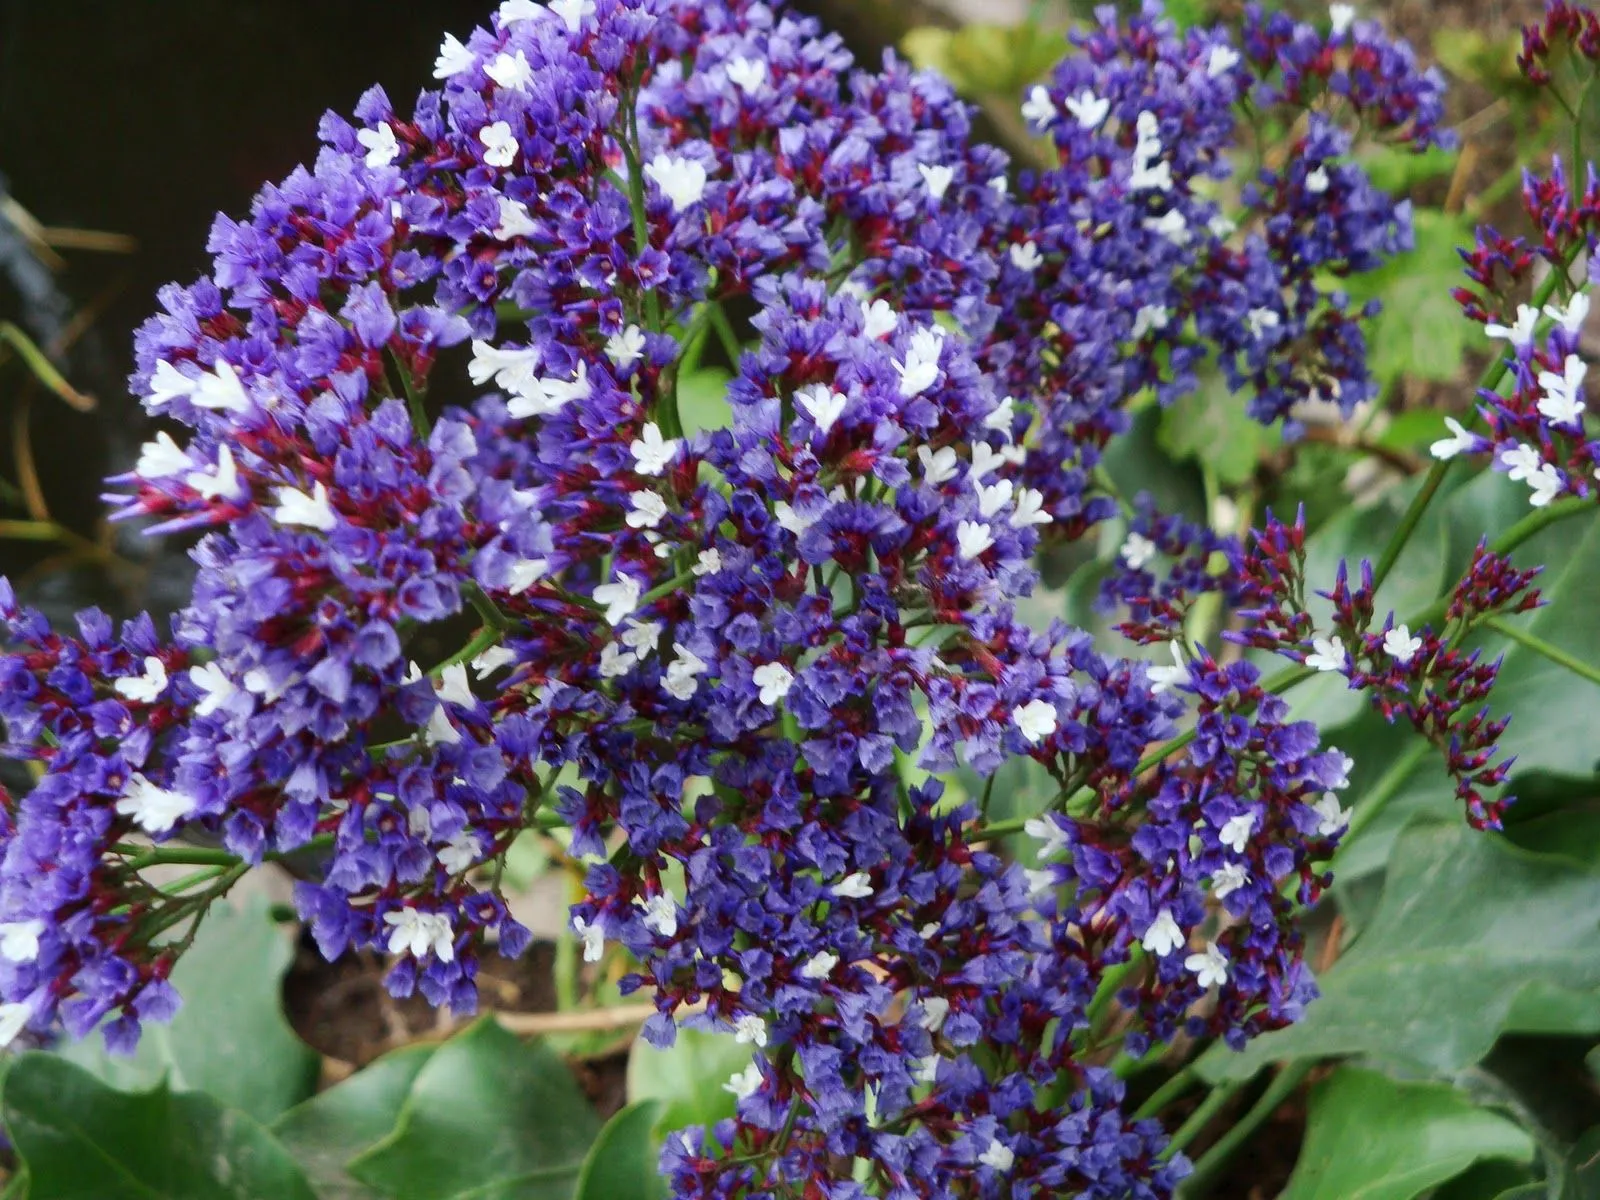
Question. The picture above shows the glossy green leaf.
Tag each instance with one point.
(1420, 333)
(622, 1163)
(688, 1078)
(1369, 1137)
(327, 1131)
(488, 1117)
(230, 1038)
(1468, 923)
(82, 1140)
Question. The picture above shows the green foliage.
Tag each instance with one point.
(82, 1140)
(1372, 1138)
(622, 1162)
(230, 1038)
(1210, 425)
(688, 1078)
(487, 1116)
(1470, 932)
(985, 59)
(703, 400)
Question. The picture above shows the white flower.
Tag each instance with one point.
(745, 1083)
(1572, 317)
(312, 512)
(708, 563)
(526, 572)
(1221, 226)
(592, 937)
(992, 497)
(1165, 678)
(511, 367)
(819, 966)
(515, 220)
(1150, 316)
(460, 852)
(491, 660)
(1260, 320)
(162, 458)
(1038, 110)
(625, 347)
(1039, 882)
(822, 404)
(747, 74)
(934, 1011)
(648, 510)
(1029, 510)
(1331, 818)
(1460, 441)
(218, 689)
(998, 1155)
(454, 58)
(1001, 416)
(539, 396)
(661, 915)
(750, 1030)
(147, 687)
(1317, 181)
(221, 482)
(1562, 401)
(791, 518)
(1520, 334)
(938, 466)
(440, 730)
(1327, 654)
(1522, 462)
(973, 538)
(499, 144)
(19, 940)
(1172, 225)
(878, 319)
(1148, 177)
(681, 180)
(1343, 764)
(1547, 483)
(681, 680)
(652, 452)
(936, 178)
(155, 809)
(415, 933)
(1221, 60)
(1235, 832)
(615, 661)
(1230, 877)
(999, 185)
(512, 11)
(382, 147)
(1088, 109)
(1026, 257)
(1210, 966)
(219, 389)
(572, 12)
(1036, 720)
(14, 1018)
(453, 687)
(920, 370)
(641, 638)
(620, 598)
(167, 383)
(1137, 550)
(774, 679)
(510, 71)
(1163, 936)
(925, 1070)
(1400, 645)
(855, 886)
(1047, 831)
(1342, 15)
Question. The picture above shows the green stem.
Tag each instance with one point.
(1385, 790)
(1168, 1092)
(487, 608)
(641, 224)
(1212, 1163)
(1110, 985)
(33, 358)
(667, 588)
(725, 333)
(482, 640)
(187, 856)
(1543, 648)
(1201, 1117)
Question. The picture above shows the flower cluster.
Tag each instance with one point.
(431, 613)
(1198, 561)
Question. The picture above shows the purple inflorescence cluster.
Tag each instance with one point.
(732, 660)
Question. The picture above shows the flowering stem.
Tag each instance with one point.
(487, 608)
(1544, 649)
(189, 856)
(1201, 1117)
(1167, 1092)
(641, 224)
(667, 588)
(1212, 1162)
(485, 637)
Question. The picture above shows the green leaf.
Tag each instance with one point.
(1211, 426)
(703, 400)
(688, 1078)
(622, 1163)
(327, 1131)
(83, 1141)
(1371, 1138)
(230, 1038)
(984, 59)
(1468, 924)
(489, 1117)
(1420, 334)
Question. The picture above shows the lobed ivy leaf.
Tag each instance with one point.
(230, 1039)
(1369, 1137)
(82, 1140)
